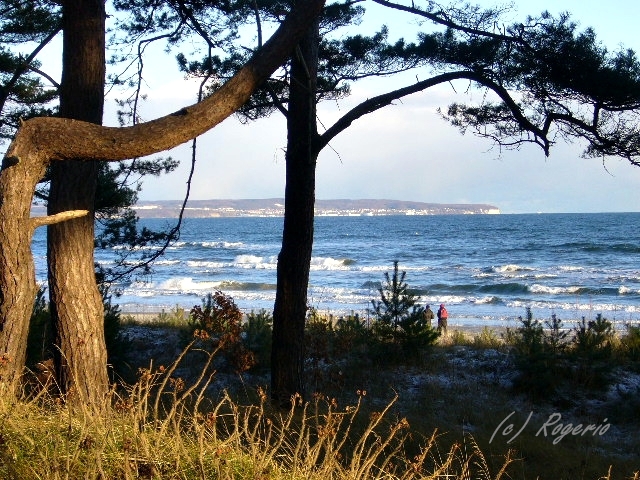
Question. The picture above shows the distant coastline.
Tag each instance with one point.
(274, 207)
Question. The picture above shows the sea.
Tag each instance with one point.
(487, 269)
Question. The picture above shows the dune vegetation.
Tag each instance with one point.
(190, 400)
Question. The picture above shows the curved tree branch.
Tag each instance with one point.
(380, 101)
(450, 23)
(57, 138)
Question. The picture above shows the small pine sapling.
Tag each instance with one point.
(398, 317)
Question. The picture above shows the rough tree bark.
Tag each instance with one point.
(42, 140)
(76, 304)
(294, 260)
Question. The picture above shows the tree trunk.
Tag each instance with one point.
(40, 141)
(287, 362)
(17, 273)
(76, 304)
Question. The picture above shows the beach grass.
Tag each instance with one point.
(450, 413)
(163, 428)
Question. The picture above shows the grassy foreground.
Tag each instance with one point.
(161, 429)
(429, 420)
(392, 400)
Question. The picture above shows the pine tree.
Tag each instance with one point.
(398, 317)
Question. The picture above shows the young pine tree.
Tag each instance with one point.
(398, 317)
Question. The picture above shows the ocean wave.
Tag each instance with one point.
(166, 262)
(446, 299)
(257, 262)
(249, 259)
(628, 279)
(187, 285)
(489, 288)
(510, 268)
(623, 290)
(625, 248)
(552, 290)
(204, 264)
(517, 274)
(219, 244)
(136, 248)
(573, 311)
(173, 286)
(607, 291)
(99, 261)
(328, 263)
(579, 291)
(245, 286)
(570, 268)
(492, 300)
(377, 268)
(388, 267)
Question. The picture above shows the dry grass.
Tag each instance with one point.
(432, 420)
(162, 428)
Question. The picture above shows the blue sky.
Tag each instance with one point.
(406, 151)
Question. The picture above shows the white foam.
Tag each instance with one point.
(537, 288)
(256, 262)
(511, 268)
(221, 244)
(484, 300)
(328, 263)
(186, 285)
(623, 290)
(166, 262)
(136, 248)
(568, 268)
(204, 264)
(249, 259)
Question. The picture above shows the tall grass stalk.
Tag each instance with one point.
(161, 428)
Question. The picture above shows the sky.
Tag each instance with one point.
(405, 151)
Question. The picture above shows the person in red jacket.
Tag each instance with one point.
(442, 319)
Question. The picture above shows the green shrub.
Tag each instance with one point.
(537, 365)
(546, 358)
(592, 351)
(510, 336)
(351, 335)
(556, 338)
(258, 336)
(631, 343)
(458, 337)
(174, 318)
(487, 338)
(592, 340)
(318, 337)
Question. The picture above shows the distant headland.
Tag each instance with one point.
(274, 207)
